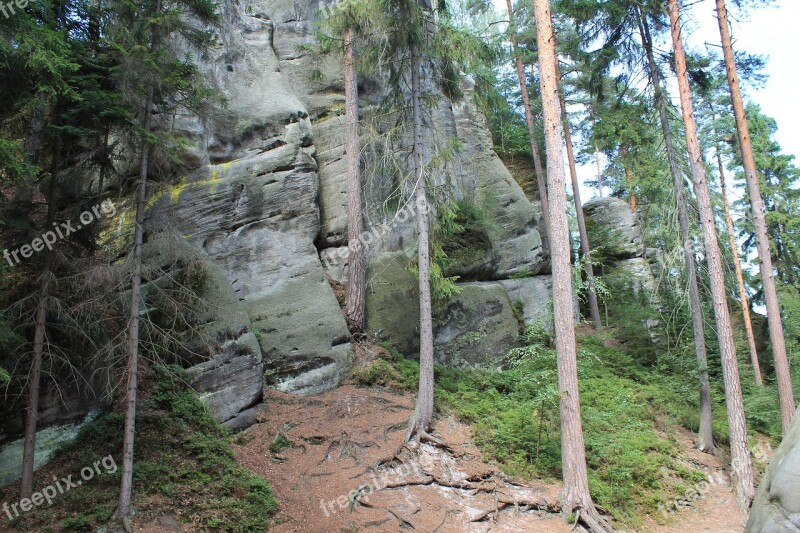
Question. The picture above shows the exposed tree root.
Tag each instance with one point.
(403, 522)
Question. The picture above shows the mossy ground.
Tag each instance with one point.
(184, 465)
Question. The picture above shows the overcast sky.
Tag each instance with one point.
(772, 32)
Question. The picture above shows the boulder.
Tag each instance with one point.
(612, 224)
(476, 327)
(776, 508)
(533, 297)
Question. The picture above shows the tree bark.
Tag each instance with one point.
(782, 372)
(33, 144)
(526, 104)
(356, 274)
(126, 485)
(628, 177)
(34, 380)
(575, 496)
(424, 412)
(748, 324)
(741, 467)
(705, 434)
(594, 308)
(599, 172)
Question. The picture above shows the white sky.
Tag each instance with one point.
(772, 32)
(768, 31)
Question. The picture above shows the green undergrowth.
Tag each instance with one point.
(184, 465)
(630, 413)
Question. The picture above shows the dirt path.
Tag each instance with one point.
(707, 507)
(335, 472)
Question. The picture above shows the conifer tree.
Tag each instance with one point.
(777, 341)
(741, 467)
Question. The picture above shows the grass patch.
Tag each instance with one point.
(184, 464)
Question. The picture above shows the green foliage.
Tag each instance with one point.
(401, 374)
(515, 415)
(280, 443)
(182, 452)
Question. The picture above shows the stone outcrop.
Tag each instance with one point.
(476, 327)
(259, 201)
(614, 228)
(776, 508)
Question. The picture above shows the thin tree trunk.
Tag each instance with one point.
(705, 434)
(34, 381)
(33, 144)
(748, 324)
(599, 173)
(782, 372)
(104, 166)
(526, 104)
(628, 177)
(356, 273)
(741, 467)
(424, 411)
(594, 308)
(575, 496)
(126, 485)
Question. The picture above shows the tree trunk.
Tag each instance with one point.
(526, 104)
(356, 273)
(782, 372)
(748, 325)
(599, 172)
(741, 467)
(33, 144)
(424, 412)
(628, 177)
(34, 380)
(575, 496)
(705, 434)
(594, 308)
(126, 485)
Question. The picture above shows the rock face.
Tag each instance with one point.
(614, 227)
(476, 327)
(776, 508)
(259, 201)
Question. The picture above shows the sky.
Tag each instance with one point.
(772, 32)
(769, 31)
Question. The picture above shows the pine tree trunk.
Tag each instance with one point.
(594, 308)
(748, 324)
(628, 177)
(575, 495)
(424, 411)
(782, 372)
(741, 467)
(705, 433)
(23, 197)
(356, 274)
(526, 104)
(132, 370)
(599, 172)
(35, 376)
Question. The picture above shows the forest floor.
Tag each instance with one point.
(334, 465)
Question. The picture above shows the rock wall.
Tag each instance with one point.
(614, 227)
(776, 508)
(259, 200)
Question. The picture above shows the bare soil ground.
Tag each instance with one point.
(334, 465)
(707, 507)
(340, 473)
